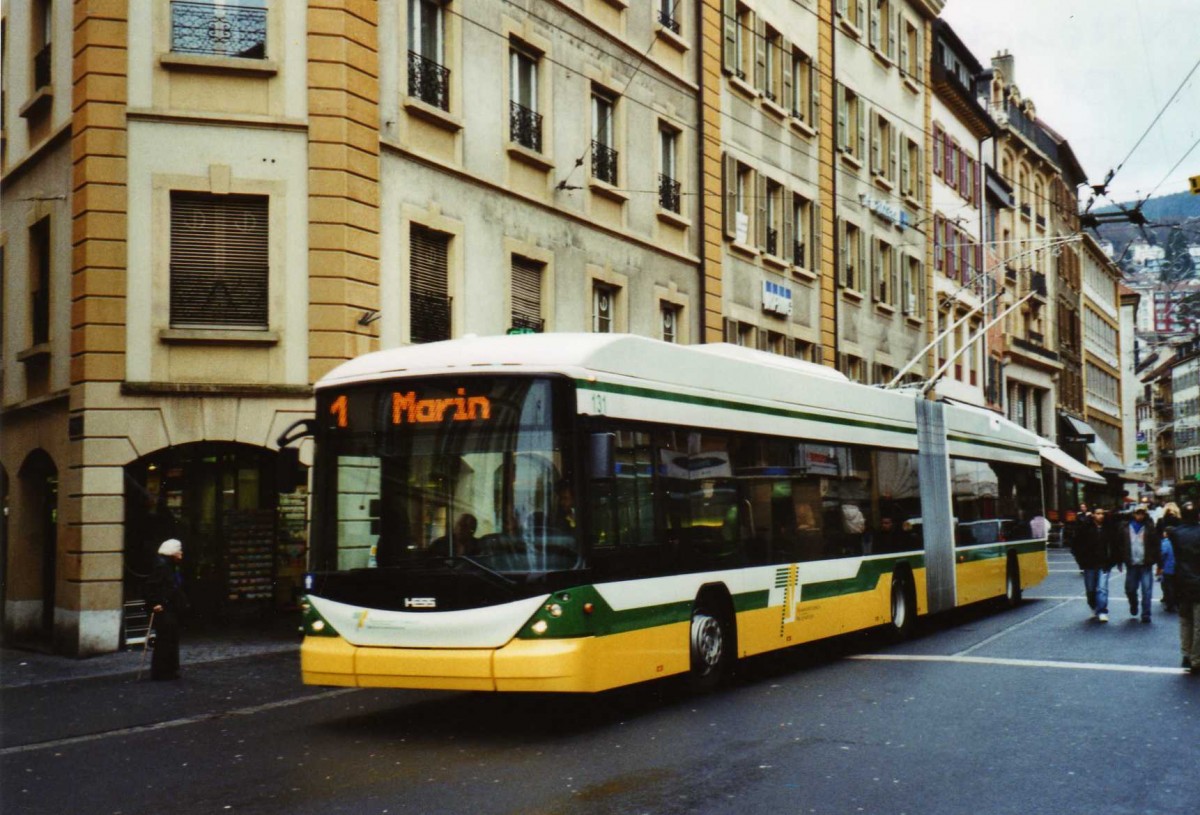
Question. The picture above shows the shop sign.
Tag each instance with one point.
(776, 298)
(889, 212)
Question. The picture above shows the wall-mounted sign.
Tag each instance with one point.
(776, 298)
(889, 212)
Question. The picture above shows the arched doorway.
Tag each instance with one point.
(244, 541)
(39, 492)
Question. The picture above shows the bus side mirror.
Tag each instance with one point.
(603, 455)
(289, 472)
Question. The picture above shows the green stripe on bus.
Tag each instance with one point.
(869, 573)
(709, 401)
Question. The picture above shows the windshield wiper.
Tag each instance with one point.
(453, 558)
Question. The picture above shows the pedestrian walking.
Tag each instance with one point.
(1140, 553)
(1096, 551)
(1185, 539)
(1166, 574)
(166, 601)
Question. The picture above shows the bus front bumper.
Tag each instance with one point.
(579, 665)
(521, 665)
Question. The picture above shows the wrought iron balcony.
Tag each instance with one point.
(230, 31)
(798, 255)
(668, 193)
(525, 126)
(604, 162)
(772, 246)
(535, 324)
(41, 68)
(667, 20)
(430, 318)
(428, 81)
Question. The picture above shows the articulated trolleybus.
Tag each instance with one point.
(577, 512)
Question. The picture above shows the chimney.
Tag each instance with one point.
(1004, 63)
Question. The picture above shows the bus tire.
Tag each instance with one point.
(1012, 583)
(711, 646)
(903, 606)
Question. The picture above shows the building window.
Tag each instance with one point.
(852, 256)
(604, 152)
(429, 290)
(744, 42)
(233, 28)
(882, 33)
(745, 335)
(668, 177)
(772, 78)
(668, 16)
(853, 11)
(912, 171)
(911, 61)
(851, 123)
(670, 322)
(43, 30)
(854, 367)
(525, 123)
(39, 289)
(604, 308)
(744, 195)
(884, 273)
(803, 230)
(219, 261)
(804, 89)
(527, 277)
(912, 296)
(774, 225)
(883, 149)
(428, 76)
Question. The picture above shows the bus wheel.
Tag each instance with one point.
(710, 649)
(1012, 584)
(904, 606)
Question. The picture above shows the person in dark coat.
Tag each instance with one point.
(1185, 538)
(1096, 549)
(166, 601)
(1141, 551)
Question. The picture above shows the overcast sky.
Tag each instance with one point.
(1099, 71)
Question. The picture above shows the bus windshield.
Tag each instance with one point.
(469, 468)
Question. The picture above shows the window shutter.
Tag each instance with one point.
(937, 242)
(964, 175)
(921, 304)
(862, 253)
(861, 109)
(921, 54)
(729, 179)
(814, 257)
(937, 150)
(904, 52)
(979, 258)
(814, 84)
(894, 277)
(906, 292)
(786, 241)
(978, 182)
(877, 272)
(893, 158)
(787, 66)
(948, 158)
(219, 260)
(729, 41)
(731, 332)
(905, 189)
(843, 121)
(429, 303)
(760, 211)
(893, 23)
(760, 53)
(841, 7)
(920, 173)
(843, 257)
(876, 164)
(873, 35)
(526, 293)
(861, 7)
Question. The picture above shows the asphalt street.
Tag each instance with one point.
(1031, 710)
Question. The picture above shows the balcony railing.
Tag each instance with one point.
(428, 81)
(668, 193)
(667, 20)
(525, 126)
(41, 68)
(604, 162)
(798, 255)
(535, 324)
(772, 246)
(230, 31)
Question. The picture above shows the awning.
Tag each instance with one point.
(1097, 449)
(1059, 458)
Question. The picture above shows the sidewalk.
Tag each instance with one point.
(21, 668)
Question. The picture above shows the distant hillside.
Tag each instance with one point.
(1161, 213)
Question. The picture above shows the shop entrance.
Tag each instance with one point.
(244, 541)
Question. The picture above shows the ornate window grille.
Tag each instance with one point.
(231, 31)
(525, 126)
(668, 193)
(667, 19)
(428, 81)
(604, 163)
(772, 241)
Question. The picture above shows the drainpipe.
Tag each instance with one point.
(702, 268)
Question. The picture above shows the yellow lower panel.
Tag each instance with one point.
(443, 668)
(326, 658)
(591, 664)
(764, 630)
(1034, 568)
(981, 580)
